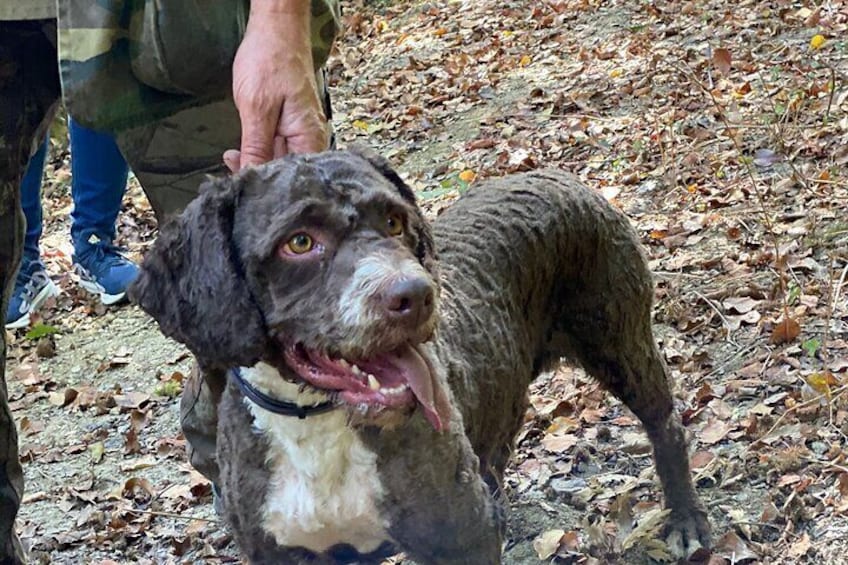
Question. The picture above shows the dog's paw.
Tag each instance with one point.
(687, 533)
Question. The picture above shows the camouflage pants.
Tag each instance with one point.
(29, 95)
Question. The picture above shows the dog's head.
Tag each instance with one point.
(321, 265)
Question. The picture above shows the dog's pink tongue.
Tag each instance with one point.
(424, 385)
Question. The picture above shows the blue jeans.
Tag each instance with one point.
(99, 177)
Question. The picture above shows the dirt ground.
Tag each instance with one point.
(719, 128)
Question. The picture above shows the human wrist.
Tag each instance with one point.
(281, 20)
(280, 8)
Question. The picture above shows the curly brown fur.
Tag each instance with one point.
(532, 268)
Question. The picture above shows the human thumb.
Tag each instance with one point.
(257, 139)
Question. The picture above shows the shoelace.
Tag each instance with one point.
(35, 282)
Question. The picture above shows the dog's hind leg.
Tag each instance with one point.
(614, 342)
(637, 375)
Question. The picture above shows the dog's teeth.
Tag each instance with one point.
(394, 390)
(344, 364)
(373, 383)
(356, 370)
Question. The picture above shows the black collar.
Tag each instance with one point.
(282, 407)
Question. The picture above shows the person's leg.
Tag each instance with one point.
(32, 285)
(31, 201)
(29, 93)
(97, 186)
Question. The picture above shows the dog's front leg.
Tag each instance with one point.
(439, 509)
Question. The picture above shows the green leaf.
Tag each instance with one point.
(811, 346)
(40, 330)
(170, 389)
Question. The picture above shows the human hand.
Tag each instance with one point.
(274, 86)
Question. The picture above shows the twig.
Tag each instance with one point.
(832, 92)
(839, 285)
(712, 305)
(170, 515)
(673, 274)
(828, 465)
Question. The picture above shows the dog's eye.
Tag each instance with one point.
(300, 243)
(394, 225)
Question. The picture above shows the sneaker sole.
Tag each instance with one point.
(106, 299)
(49, 290)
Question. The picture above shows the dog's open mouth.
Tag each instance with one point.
(395, 379)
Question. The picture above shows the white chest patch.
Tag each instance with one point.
(324, 487)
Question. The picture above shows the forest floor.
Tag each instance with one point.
(720, 129)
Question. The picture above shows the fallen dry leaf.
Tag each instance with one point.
(722, 60)
(715, 431)
(785, 330)
(547, 544)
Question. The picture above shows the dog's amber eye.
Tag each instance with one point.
(394, 224)
(300, 243)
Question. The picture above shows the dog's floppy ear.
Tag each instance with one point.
(193, 284)
(426, 251)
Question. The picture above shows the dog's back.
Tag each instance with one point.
(543, 269)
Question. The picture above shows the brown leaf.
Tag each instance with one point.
(814, 18)
(784, 331)
(704, 395)
(131, 443)
(722, 60)
(62, 398)
(800, 547)
(135, 485)
(770, 512)
(46, 347)
(731, 544)
(131, 399)
(548, 543)
(485, 143)
(199, 486)
(139, 419)
(560, 443)
(28, 374)
(740, 304)
(138, 464)
(570, 541)
(715, 431)
(31, 427)
(701, 459)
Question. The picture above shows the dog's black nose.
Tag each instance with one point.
(410, 300)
